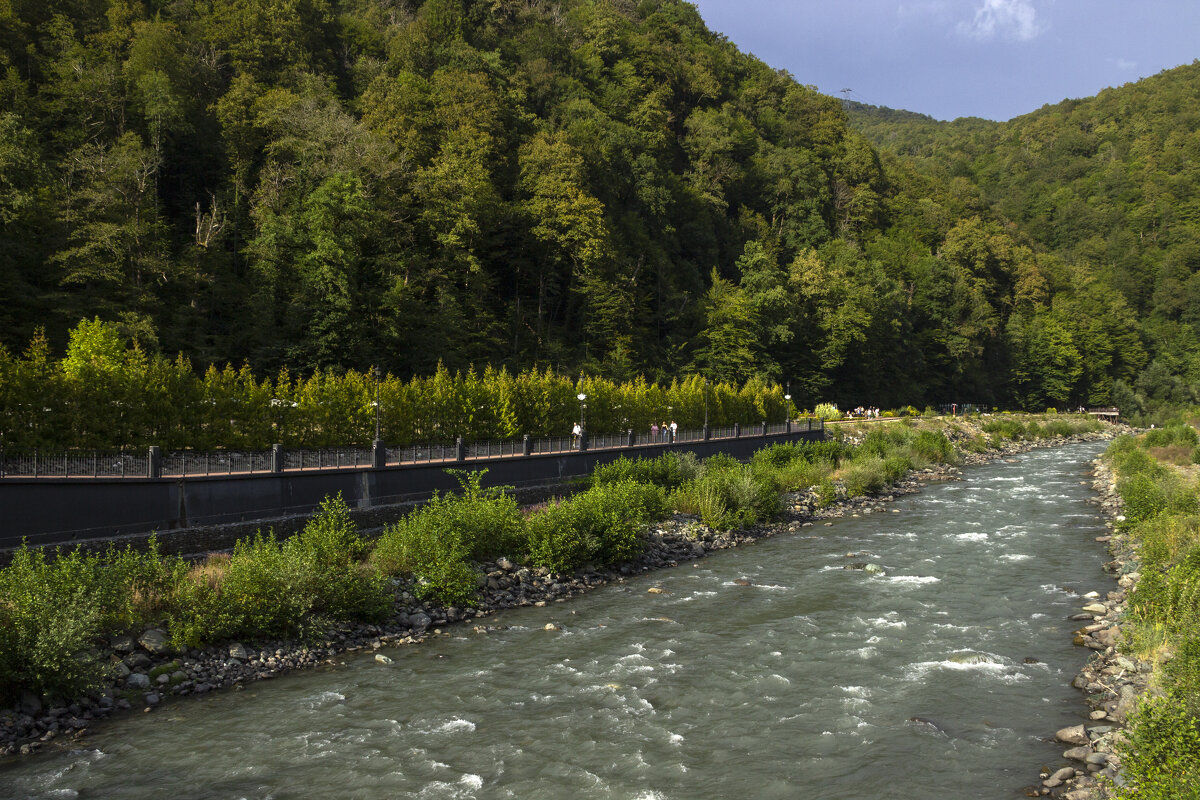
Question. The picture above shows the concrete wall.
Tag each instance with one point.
(68, 510)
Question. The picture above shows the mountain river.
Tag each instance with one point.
(942, 676)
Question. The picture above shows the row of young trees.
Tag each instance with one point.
(106, 394)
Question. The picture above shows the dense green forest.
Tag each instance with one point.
(599, 186)
(1109, 189)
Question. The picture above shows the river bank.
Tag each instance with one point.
(150, 675)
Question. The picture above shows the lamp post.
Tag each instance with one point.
(375, 372)
(706, 409)
(378, 451)
(582, 421)
(788, 408)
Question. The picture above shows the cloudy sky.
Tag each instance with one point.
(995, 59)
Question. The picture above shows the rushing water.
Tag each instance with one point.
(802, 684)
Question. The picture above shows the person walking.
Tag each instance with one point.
(654, 431)
(674, 430)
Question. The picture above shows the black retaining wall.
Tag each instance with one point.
(199, 513)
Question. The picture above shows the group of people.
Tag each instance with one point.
(870, 412)
(663, 433)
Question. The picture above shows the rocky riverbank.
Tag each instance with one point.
(146, 673)
(1111, 681)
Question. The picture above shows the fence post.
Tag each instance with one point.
(276, 458)
(583, 441)
(707, 433)
(632, 440)
(788, 427)
(154, 462)
(527, 446)
(378, 454)
(460, 450)
(737, 430)
(764, 427)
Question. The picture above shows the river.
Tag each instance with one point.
(804, 683)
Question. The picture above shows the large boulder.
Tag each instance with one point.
(1073, 735)
(155, 640)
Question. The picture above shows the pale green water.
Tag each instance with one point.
(800, 686)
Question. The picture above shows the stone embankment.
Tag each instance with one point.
(147, 672)
(1111, 681)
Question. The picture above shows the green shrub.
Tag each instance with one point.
(932, 447)
(600, 526)
(798, 475)
(1196, 455)
(273, 589)
(1136, 462)
(1178, 433)
(826, 493)
(48, 626)
(1182, 672)
(1170, 595)
(864, 477)
(1160, 760)
(827, 411)
(728, 494)
(1002, 428)
(1164, 539)
(895, 468)
(1144, 496)
(668, 470)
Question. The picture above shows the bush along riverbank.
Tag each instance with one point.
(1143, 680)
(84, 636)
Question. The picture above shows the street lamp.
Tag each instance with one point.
(582, 409)
(375, 371)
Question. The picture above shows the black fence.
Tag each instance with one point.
(154, 464)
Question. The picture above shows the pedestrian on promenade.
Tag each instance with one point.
(654, 431)
(674, 430)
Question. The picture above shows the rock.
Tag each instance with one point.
(137, 660)
(1109, 636)
(1099, 759)
(550, 626)
(420, 621)
(1078, 753)
(1064, 774)
(1096, 608)
(1098, 714)
(138, 680)
(238, 652)
(874, 569)
(155, 640)
(1072, 735)
(655, 590)
(1126, 700)
(122, 643)
(504, 564)
(119, 670)
(382, 659)
(153, 699)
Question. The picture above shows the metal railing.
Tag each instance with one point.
(187, 463)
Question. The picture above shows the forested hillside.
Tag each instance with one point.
(587, 185)
(1109, 187)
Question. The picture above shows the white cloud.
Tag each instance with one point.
(1011, 19)
(1123, 64)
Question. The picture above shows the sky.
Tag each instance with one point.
(995, 59)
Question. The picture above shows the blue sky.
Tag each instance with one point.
(995, 59)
